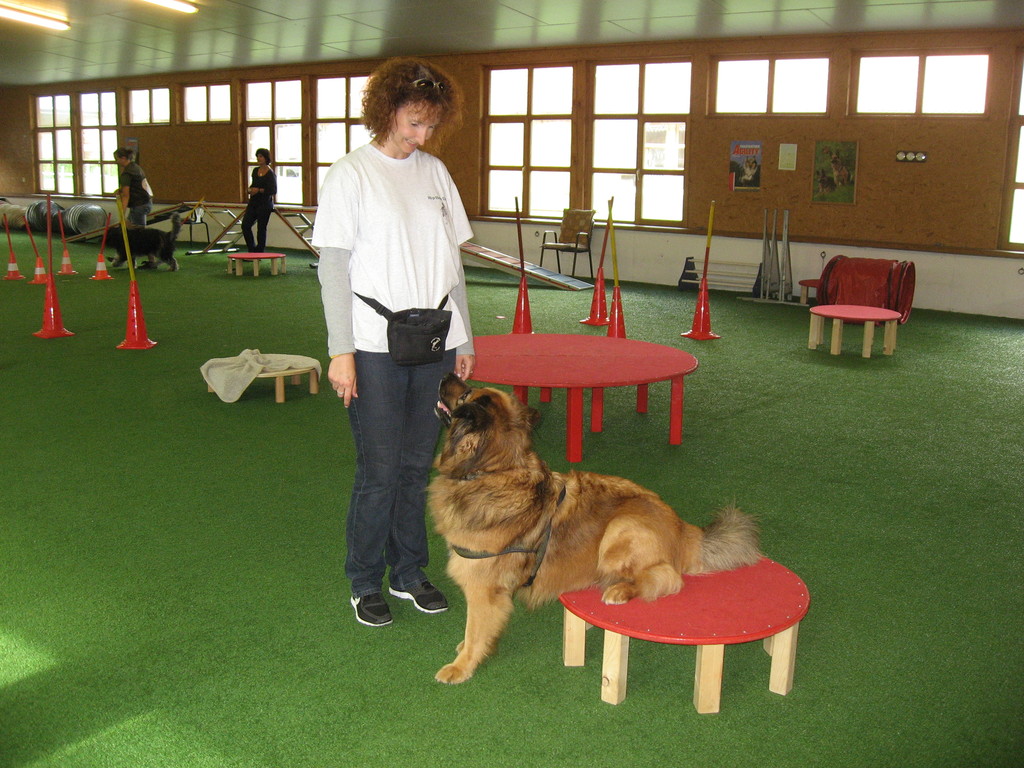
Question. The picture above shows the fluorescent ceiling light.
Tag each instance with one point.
(175, 5)
(33, 16)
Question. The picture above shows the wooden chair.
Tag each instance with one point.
(574, 237)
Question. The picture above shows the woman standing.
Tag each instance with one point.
(389, 226)
(261, 203)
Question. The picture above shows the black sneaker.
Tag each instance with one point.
(425, 597)
(371, 610)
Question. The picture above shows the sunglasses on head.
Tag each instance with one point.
(424, 82)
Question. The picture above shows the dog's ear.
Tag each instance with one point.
(470, 423)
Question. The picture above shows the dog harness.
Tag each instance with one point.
(540, 551)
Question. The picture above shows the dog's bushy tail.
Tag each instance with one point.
(731, 540)
(175, 226)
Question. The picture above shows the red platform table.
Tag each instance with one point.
(765, 601)
(853, 313)
(577, 362)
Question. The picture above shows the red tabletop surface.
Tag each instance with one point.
(575, 360)
(856, 313)
(245, 255)
(711, 609)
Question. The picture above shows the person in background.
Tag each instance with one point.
(261, 202)
(133, 188)
(389, 226)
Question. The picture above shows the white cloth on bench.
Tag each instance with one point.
(229, 376)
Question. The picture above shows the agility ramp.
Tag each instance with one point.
(511, 264)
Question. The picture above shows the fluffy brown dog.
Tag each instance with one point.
(514, 526)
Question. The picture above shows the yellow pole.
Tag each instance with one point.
(124, 236)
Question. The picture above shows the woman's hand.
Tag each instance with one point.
(341, 373)
(464, 365)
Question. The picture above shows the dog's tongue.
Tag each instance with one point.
(441, 406)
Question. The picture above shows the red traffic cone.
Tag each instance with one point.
(40, 276)
(101, 269)
(12, 269)
(598, 305)
(135, 336)
(65, 264)
(617, 323)
(701, 329)
(522, 322)
(53, 326)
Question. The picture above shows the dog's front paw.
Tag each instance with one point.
(620, 593)
(452, 674)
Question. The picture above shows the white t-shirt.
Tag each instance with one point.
(403, 222)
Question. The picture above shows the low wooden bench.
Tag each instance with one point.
(236, 261)
(841, 313)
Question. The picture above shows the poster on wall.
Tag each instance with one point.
(835, 172)
(745, 165)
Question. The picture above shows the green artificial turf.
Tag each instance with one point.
(171, 566)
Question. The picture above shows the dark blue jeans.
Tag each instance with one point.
(260, 217)
(395, 432)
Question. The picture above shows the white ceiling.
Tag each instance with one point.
(111, 38)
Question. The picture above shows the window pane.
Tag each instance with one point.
(955, 84)
(92, 179)
(356, 85)
(257, 101)
(503, 187)
(64, 145)
(330, 141)
(616, 89)
(289, 184)
(195, 104)
(109, 139)
(621, 186)
(110, 178)
(44, 112)
(1020, 157)
(664, 146)
(552, 91)
(1017, 217)
(505, 145)
(65, 179)
(288, 100)
(47, 178)
(161, 105)
(91, 147)
(138, 107)
(551, 142)
(220, 102)
(667, 88)
(801, 85)
(257, 137)
(108, 108)
(888, 84)
(662, 198)
(90, 109)
(742, 86)
(549, 193)
(288, 143)
(615, 143)
(330, 97)
(45, 145)
(62, 110)
(357, 136)
(508, 92)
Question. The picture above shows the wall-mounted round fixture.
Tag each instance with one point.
(901, 155)
(921, 157)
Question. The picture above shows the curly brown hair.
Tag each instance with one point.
(414, 83)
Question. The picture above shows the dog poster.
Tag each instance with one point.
(835, 172)
(745, 165)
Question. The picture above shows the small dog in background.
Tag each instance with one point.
(147, 242)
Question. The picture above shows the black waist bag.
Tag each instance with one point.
(415, 336)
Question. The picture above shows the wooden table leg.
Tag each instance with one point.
(273, 266)
(614, 667)
(869, 338)
(837, 336)
(817, 329)
(675, 412)
(707, 680)
(279, 389)
(523, 393)
(783, 652)
(574, 640)
(314, 383)
(239, 266)
(596, 409)
(255, 267)
(574, 424)
(889, 339)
